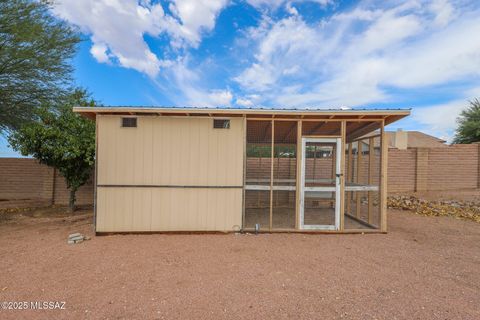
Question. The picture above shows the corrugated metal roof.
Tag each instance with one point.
(258, 108)
(361, 114)
(388, 115)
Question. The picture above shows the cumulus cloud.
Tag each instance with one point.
(100, 52)
(440, 120)
(220, 98)
(185, 86)
(362, 56)
(275, 4)
(196, 16)
(371, 53)
(117, 27)
(443, 11)
(244, 102)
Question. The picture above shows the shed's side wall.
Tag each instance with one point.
(169, 174)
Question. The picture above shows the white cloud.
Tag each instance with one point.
(275, 4)
(443, 11)
(244, 102)
(185, 86)
(196, 16)
(364, 55)
(291, 9)
(100, 52)
(249, 101)
(267, 3)
(117, 27)
(439, 120)
(286, 44)
(220, 98)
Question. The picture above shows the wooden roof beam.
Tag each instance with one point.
(362, 131)
(316, 127)
(292, 129)
(269, 126)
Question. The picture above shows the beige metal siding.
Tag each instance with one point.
(168, 209)
(169, 174)
(169, 151)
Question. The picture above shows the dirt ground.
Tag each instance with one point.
(424, 268)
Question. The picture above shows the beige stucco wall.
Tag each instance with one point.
(169, 174)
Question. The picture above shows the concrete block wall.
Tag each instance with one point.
(401, 170)
(27, 180)
(455, 167)
(434, 169)
(409, 170)
(62, 194)
(420, 169)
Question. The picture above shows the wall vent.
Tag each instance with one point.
(221, 124)
(129, 122)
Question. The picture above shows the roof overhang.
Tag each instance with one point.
(388, 115)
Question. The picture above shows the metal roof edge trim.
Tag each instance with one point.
(112, 109)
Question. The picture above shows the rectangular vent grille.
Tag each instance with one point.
(129, 122)
(221, 124)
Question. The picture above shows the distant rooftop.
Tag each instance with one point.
(415, 139)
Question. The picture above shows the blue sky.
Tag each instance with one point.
(319, 53)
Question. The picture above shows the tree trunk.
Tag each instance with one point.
(71, 201)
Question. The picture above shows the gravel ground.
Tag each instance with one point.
(424, 268)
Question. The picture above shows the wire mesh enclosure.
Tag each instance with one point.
(225, 169)
(313, 175)
(362, 181)
(284, 174)
(270, 203)
(258, 169)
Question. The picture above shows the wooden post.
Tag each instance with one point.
(359, 165)
(371, 162)
(95, 182)
(299, 172)
(272, 154)
(342, 178)
(278, 170)
(334, 163)
(244, 169)
(259, 202)
(349, 176)
(333, 175)
(383, 181)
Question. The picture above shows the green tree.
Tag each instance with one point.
(468, 130)
(35, 53)
(61, 139)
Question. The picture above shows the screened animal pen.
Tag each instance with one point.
(335, 165)
(225, 169)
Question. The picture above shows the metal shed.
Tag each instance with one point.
(164, 169)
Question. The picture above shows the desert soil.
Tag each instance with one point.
(424, 268)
